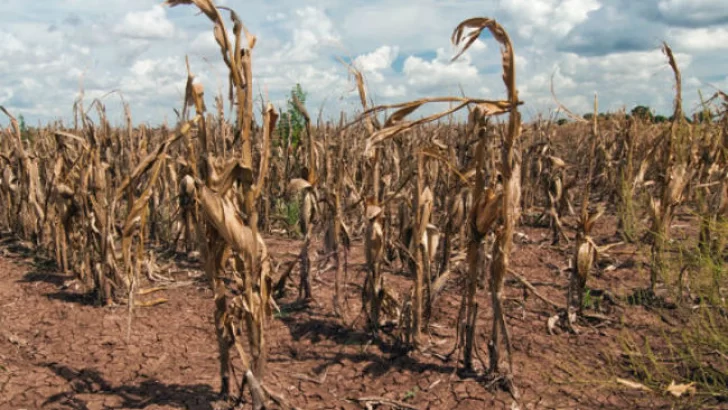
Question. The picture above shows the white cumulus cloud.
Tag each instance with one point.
(403, 48)
(439, 71)
(539, 17)
(150, 24)
(376, 61)
(702, 39)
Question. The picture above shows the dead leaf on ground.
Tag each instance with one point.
(633, 385)
(678, 390)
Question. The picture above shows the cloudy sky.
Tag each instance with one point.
(611, 47)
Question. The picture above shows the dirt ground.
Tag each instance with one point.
(59, 351)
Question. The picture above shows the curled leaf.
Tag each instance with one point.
(373, 212)
(557, 162)
(678, 390)
(297, 185)
(487, 210)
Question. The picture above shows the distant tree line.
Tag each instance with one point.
(646, 114)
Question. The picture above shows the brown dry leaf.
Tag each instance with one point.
(205, 6)
(197, 95)
(639, 179)
(150, 160)
(370, 122)
(234, 171)
(551, 324)
(496, 105)
(439, 144)
(373, 211)
(633, 385)
(151, 303)
(592, 219)
(220, 37)
(464, 177)
(487, 210)
(562, 107)
(432, 235)
(679, 178)
(308, 211)
(374, 241)
(655, 208)
(187, 186)
(64, 191)
(297, 185)
(403, 112)
(73, 137)
(221, 213)
(477, 25)
(677, 114)
(426, 197)
(270, 118)
(678, 390)
(557, 162)
(239, 27)
(457, 210)
(301, 107)
(395, 124)
(493, 107)
(399, 127)
(585, 259)
(140, 204)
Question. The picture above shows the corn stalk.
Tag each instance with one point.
(585, 251)
(674, 180)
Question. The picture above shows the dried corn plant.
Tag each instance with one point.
(306, 186)
(626, 185)
(585, 250)
(511, 197)
(421, 249)
(712, 190)
(338, 240)
(75, 201)
(8, 189)
(417, 238)
(229, 236)
(546, 173)
(454, 229)
(499, 210)
(29, 195)
(486, 209)
(374, 291)
(9, 183)
(676, 174)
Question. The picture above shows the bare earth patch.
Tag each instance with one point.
(59, 351)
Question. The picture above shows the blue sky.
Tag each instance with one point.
(611, 47)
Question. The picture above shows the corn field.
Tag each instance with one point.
(445, 212)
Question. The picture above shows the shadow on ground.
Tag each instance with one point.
(89, 382)
(83, 299)
(55, 279)
(320, 329)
